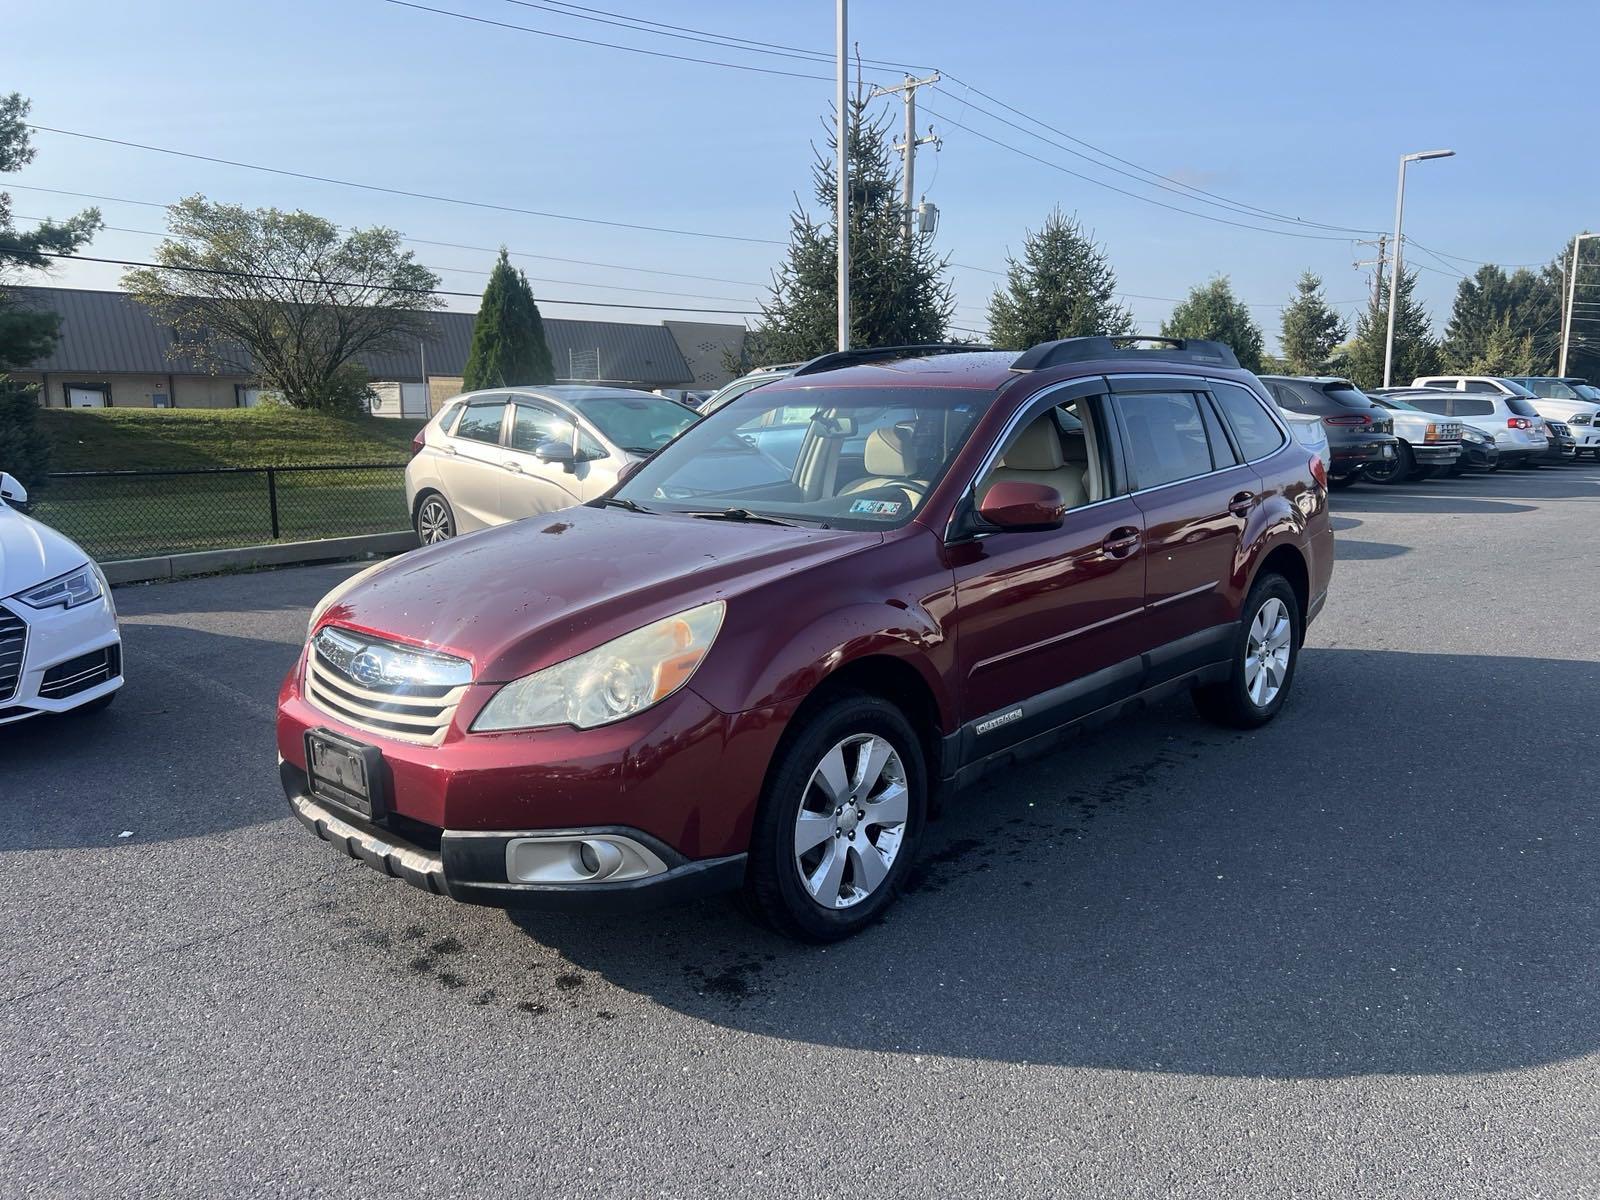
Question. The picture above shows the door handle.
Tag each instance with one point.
(1241, 504)
(1121, 542)
(513, 466)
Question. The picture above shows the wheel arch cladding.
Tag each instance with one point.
(1286, 560)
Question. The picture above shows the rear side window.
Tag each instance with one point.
(1474, 408)
(1434, 404)
(1286, 396)
(1347, 396)
(481, 421)
(1166, 437)
(1478, 385)
(1257, 433)
(1521, 407)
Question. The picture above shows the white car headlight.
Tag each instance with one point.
(625, 676)
(65, 591)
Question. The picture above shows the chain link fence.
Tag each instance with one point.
(137, 514)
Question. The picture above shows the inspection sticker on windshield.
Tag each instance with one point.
(878, 508)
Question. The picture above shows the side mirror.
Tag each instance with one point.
(629, 470)
(12, 491)
(1011, 504)
(554, 451)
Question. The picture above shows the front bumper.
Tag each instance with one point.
(1479, 456)
(1436, 454)
(473, 866)
(70, 657)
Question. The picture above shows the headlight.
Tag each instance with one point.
(623, 677)
(1578, 419)
(65, 591)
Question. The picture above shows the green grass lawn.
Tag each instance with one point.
(122, 439)
(136, 517)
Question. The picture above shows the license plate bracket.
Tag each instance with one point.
(346, 772)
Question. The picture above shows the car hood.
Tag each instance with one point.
(519, 597)
(31, 552)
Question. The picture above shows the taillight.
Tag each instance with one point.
(1354, 419)
(1518, 423)
(417, 444)
(1319, 472)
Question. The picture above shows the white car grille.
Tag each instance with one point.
(410, 712)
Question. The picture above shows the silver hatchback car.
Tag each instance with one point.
(496, 456)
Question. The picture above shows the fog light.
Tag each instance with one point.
(572, 857)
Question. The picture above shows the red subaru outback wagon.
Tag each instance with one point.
(909, 566)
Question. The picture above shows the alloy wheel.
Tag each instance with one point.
(852, 821)
(1266, 654)
(433, 522)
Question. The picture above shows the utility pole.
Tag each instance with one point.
(1382, 243)
(1572, 299)
(842, 219)
(908, 148)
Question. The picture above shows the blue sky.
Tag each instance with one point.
(1298, 109)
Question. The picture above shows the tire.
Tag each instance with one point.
(435, 520)
(798, 894)
(1396, 470)
(1338, 483)
(1231, 703)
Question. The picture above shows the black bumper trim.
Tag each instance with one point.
(464, 866)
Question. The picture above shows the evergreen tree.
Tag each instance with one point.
(508, 343)
(26, 333)
(1507, 351)
(1495, 311)
(1311, 329)
(899, 294)
(1062, 287)
(24, 450)
(1211, 311)
(1415, 350)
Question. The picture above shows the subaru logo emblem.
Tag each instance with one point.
(366, 668)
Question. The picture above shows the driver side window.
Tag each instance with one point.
(1060, 448)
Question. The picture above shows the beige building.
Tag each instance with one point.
(114, 353)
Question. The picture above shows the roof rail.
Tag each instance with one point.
(867, 354)
(1088, 349)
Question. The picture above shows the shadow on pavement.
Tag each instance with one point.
(1410, 895)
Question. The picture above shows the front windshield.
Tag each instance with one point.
(843, 458)
(1550, 389)
(639, 424)
(1587, 391)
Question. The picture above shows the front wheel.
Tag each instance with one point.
(436, 521)
(1265, 649)
(840, 821)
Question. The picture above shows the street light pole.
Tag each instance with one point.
(1394, 259)
(842, 201)
(1572, 298)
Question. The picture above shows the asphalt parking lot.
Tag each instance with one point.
(1354, 954)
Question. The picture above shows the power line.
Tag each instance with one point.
(1161, 181)
(568, 37)
(374, 187)
(1316, 237)
(614, 287)
(123, 262)
(580, 262)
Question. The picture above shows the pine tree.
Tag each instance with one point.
(899, 294)
(24, 449)
(1310, 330)
(1495, 307)
(1415, 350)
(1063, 286)
(508, 343)
(1211, 311)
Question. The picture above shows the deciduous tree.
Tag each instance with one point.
(285, 296)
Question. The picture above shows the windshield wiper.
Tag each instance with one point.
(741, 514)
(619, 502)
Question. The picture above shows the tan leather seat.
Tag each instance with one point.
(891, 461)
(1036, 457)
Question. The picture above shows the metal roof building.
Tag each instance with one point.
(109, 341)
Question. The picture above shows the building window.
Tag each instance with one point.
(160, 400)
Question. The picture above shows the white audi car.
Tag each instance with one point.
(59, 645)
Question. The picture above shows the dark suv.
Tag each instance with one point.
(1360, 434)
(687, 686)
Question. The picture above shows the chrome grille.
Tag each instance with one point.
(412, 712)
(13, 645)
